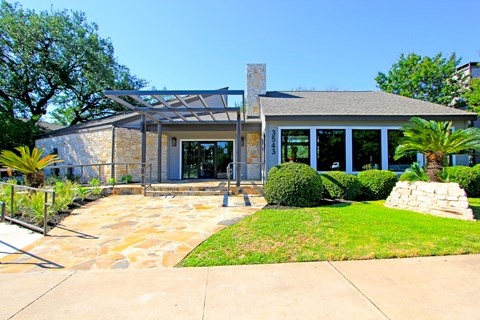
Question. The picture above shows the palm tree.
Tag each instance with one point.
(29, 163)
(436, 141)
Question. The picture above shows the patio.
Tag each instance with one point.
(131, 232)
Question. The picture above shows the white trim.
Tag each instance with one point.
(180, 151)
(348, 143)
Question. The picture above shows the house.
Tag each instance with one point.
(196, 133)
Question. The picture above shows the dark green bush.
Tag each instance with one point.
(293, 184)
(340, 185)
(468, 178)
(377, 184)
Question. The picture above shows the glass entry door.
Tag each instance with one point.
(206, 159)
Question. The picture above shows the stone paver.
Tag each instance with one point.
(130, 231)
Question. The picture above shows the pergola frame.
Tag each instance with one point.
(180, 110)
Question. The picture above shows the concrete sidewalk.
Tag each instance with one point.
(416, 288)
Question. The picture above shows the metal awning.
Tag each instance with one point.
(181, 106)
(167, 106)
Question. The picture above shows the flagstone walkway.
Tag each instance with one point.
(131, 231)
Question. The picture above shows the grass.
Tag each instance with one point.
(343, 231)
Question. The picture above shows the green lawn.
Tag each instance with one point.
(344, 231)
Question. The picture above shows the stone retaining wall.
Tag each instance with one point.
(441, 199)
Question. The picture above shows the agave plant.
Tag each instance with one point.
(28, 162)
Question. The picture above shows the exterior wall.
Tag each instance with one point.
(82, 148)
(256, 85)
(128, 148)
(273, 135)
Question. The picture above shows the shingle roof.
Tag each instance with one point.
(350, 103)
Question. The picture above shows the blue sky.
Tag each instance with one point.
(312, 44)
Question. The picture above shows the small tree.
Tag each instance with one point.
(436, 141)
(29, 163)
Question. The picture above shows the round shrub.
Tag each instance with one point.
(377, 184)
(293, 184)
(340, 185)
(467, 177)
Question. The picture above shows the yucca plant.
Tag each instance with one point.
(436, 141)
(28, 162)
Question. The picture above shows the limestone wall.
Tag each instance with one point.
(128, 148)
(256, 84)
(442, 199)
(96, 147)
(81, 148)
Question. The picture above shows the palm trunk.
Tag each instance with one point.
(34, 180)
(434, 166)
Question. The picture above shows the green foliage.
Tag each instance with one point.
(112, 181)
(83, 192)
(33, 206)
(16, 132)
(57, 57)
(468, 178)
(27, 162)
(433, 79)
(473, 95)
(436, 141)
(414, 173)
(95, 184)
(293, 184)
(127, 178)
(377, 184)
(6, 197)
(65, 194)
(340, 185)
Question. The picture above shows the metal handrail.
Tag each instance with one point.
(229, 172)
(113, 166)
(12, 211)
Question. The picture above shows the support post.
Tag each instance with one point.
(144, 148)
(239, 150)
(113, 154)
(159, 152)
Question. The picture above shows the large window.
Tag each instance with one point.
(403, 163)
(331, 150)
(296, 146)
(366, 149)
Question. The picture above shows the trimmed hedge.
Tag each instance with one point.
(340, 185)
(377, 184)
(293, 184)
(467, 177)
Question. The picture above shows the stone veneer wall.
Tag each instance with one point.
(81, 148)
(128, 148)
(256, 85)
(441, 199)
(253, 155)
(96, 147)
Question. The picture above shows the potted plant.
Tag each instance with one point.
(29, 163)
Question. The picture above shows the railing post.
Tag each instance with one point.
(3, 211)
(228, 178)
(45, 214)
(12, 199)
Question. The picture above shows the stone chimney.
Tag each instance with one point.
(256, 85)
